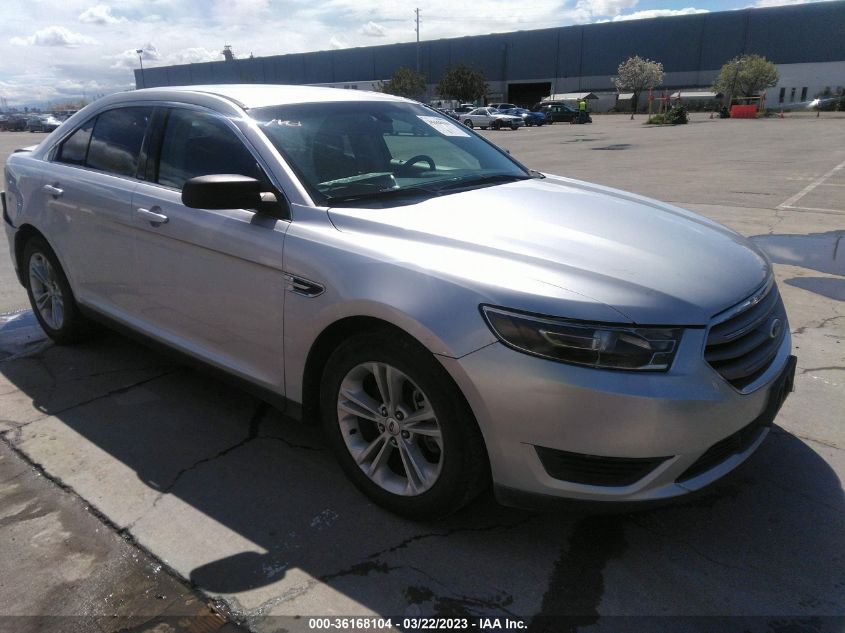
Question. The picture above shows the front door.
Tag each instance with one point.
(209, 281)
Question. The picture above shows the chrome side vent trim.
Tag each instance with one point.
(302, 286)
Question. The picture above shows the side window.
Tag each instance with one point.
(116, 142)
(74, 149)
(200, 144)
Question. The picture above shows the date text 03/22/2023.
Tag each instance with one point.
(416, 624)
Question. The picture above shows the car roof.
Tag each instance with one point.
(260, 95)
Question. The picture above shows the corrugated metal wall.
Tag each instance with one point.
(685, 44)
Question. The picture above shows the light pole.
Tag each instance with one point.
(140, 52)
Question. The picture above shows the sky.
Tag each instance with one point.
(60, 50)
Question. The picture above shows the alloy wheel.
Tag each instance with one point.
(390, 428)
(46, 292)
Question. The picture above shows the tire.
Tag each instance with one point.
(447, 448)
(468, 123)
(514, 127)
(47, 286)
(497, 125)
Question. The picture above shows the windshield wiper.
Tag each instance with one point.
(398, 192)
(484, 180)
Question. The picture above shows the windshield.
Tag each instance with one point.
(351, 151)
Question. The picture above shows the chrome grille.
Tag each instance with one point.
(743, 341)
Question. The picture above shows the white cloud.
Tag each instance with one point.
(153, 57)
(129, 57)
(337, 42)
(606, 7)
(100, 14)
(372, 29)
(657, 13)
(53, 36)
(18, 92)
(236, 11)
(192, 56)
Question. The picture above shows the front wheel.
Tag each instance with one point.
(468, 123)
(399, 427)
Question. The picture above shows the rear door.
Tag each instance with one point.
(209, 282)
(88, 192)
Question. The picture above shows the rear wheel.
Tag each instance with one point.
(514, 126)
(50, 294)
(399, 427)
(497, 125)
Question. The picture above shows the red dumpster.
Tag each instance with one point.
(744, 112)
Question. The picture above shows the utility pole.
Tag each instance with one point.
(417, 11)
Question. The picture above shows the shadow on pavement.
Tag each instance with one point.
(829, 287)
(251, 506)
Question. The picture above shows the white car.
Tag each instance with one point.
(490, 117)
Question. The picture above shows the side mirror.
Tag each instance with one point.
(222, 191)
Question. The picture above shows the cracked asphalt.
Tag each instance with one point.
(246, 509)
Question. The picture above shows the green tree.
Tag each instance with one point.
(462, 83)
(637, 74)
(745, 76)
(404, 83)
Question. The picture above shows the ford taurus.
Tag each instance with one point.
(453, 318)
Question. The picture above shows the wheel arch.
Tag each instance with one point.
(24, 233)
(336, 334)
(327, 342)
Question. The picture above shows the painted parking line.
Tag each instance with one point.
(790, 202)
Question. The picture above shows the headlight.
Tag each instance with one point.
(590, 344)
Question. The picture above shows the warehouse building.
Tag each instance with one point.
(806, 42)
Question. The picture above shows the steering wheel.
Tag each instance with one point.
(420, 158)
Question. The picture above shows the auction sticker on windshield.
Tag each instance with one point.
(443, 126)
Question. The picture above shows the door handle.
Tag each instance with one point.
(151, 216)
(53, 191)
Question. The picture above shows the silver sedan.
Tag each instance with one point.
(453, 319)
(491, 118)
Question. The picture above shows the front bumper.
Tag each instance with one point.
(674, 418)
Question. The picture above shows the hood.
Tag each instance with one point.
(651, 262)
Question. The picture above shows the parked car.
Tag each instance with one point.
(502, 106)
(465, 107)
(530, 118)
(492, 118)
(449, 113)
(453, 318)
(13, 123)
(42, 123)
(560, 112)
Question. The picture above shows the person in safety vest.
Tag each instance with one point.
(582, 111)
